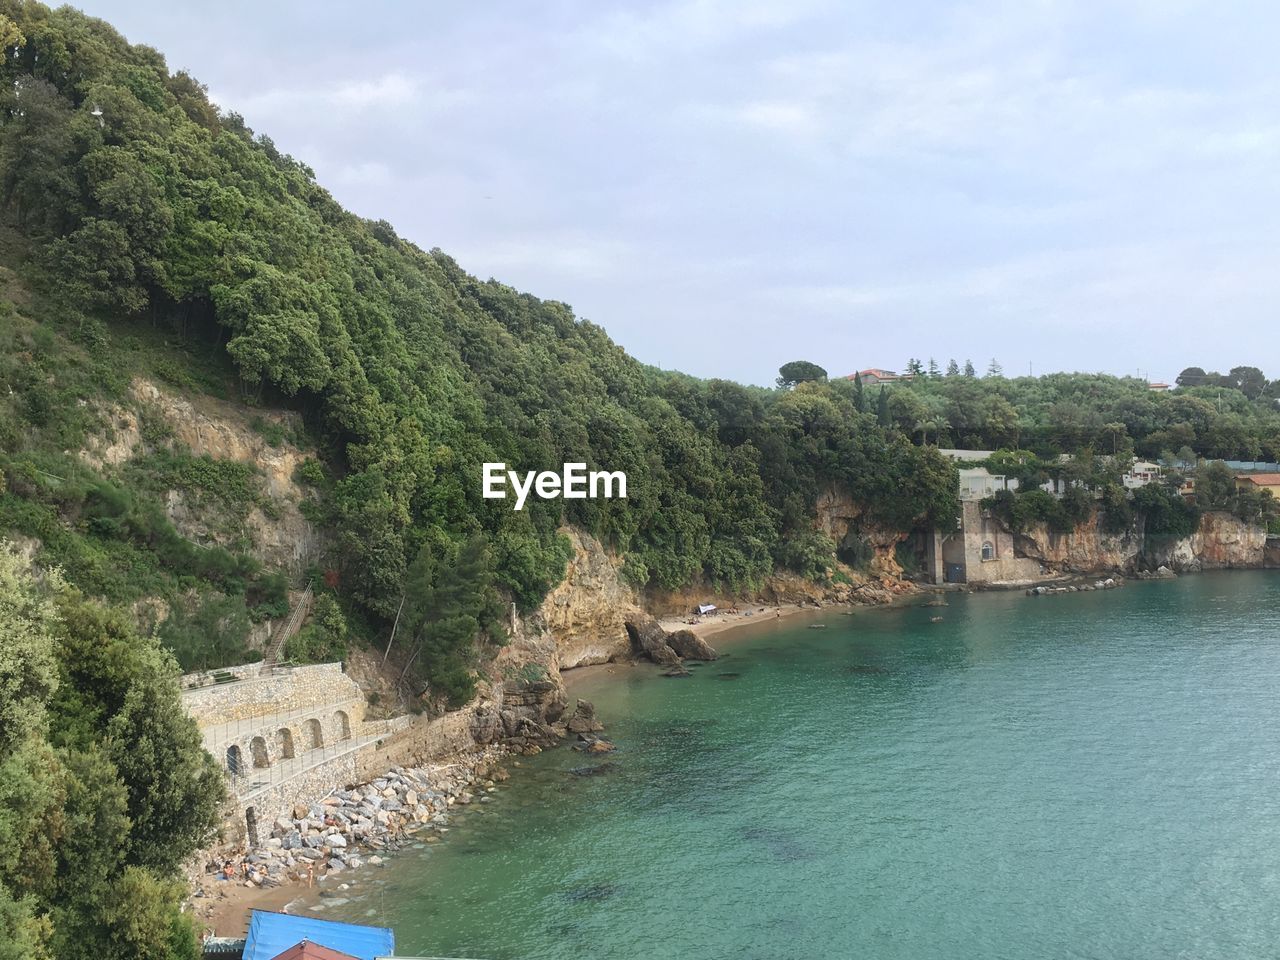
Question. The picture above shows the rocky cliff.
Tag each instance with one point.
(1221, 541)
(277, 532)
(1085, 549)
(841, 518)
(587, 612)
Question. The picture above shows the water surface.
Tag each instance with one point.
(1092, 775)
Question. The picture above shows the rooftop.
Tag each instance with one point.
(306, 950)
(272, 935)
(1263, 479)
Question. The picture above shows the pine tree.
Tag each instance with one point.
(994, 369)
(969, 371)
(859, 394)
(934, 372)
(882, 407)
(953, 368)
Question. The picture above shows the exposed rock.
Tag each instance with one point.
(584, 718)
(690, 646)
(649, 640)
(586, 611)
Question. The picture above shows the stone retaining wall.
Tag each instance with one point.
(273, 740)
(419, 742)
(277, 801)
(287, 689)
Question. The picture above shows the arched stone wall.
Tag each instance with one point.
(258, 750)
(313, 734)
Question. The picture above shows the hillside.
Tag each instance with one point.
(216, 385)
(151, 237)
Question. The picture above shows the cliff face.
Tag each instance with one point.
(586, 613)
(838, 516)
(223, 431)
(1086, 549)
(1221, 541)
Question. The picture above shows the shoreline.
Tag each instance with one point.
(223, 906)
(327, 842)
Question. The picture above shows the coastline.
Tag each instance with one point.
(223, 907)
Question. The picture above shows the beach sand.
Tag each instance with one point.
(225, 913)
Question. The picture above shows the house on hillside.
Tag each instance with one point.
(1141, 473)
(874, 375)
(1267, 482)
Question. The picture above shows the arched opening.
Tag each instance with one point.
(988, 550)
(258, 748)
(235, 760)
(315, 736)
(251, 825)
(284, 743)
(342, 724)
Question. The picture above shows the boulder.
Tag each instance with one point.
(584, 718)
(690, 646)
(649, 640)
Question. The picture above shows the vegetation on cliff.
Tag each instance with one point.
(147, 215)
(104, 786)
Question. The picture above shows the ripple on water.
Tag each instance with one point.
(1085, 775)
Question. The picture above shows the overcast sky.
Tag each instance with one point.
(729, 184)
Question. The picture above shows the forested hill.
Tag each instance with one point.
(141, 204)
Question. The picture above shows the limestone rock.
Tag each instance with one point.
(690, 646)
(584, 718)
(649, 640)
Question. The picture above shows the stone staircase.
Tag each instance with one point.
(291, 626)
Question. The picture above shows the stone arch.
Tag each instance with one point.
(341, 725)
(251, 825)
(258, 749)
(314, 734)
(284, 743)
(988, 550)
(235, 760)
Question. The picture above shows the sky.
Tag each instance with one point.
(726, 185)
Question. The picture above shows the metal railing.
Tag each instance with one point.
(247, 780)
(290, 627)
(267, 725)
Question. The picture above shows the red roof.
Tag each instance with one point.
(1263, 479)
(306, 950)
(875, 372)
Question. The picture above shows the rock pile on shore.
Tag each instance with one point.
(349, 828)
(1108, 584)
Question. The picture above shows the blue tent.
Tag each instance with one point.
(271, 934)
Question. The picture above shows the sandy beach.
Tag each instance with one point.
(226, 912)
(713, 624)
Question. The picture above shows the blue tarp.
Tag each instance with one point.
(271, 934)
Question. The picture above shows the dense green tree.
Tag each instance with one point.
(105, 788)
(799, 371)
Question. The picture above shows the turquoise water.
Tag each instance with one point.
(1093, 775)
